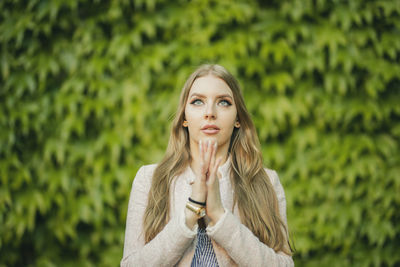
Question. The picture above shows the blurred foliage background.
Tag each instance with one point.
(88, 90)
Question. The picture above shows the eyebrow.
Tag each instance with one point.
(203, 96)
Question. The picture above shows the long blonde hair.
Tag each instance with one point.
(253, 192)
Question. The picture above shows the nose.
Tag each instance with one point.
(210, 112)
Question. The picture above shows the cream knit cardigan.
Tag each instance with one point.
(234, 244)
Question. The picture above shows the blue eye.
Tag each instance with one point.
(196, 102)
(225, 103)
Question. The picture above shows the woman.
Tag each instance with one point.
(209, 202)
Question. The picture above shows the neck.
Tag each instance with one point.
(222, 152)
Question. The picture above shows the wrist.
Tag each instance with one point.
(199, 197)
(216, 216)
(190, 219)
(199, 210)
(193, 201)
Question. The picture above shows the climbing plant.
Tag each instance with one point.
(89, 88)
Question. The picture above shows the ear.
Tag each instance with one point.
(237, 124)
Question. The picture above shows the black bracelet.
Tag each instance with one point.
(197, 202)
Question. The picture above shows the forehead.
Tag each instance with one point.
(209, 86)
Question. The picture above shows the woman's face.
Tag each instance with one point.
(210, 111)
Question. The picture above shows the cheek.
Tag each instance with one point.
(192, 115)
(230, 118)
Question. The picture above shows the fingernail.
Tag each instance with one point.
(215, 145)
(209, 143)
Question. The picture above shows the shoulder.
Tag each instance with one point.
(144, 175)
(148, 169)
(272, 175)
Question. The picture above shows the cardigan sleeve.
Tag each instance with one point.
(168, 246)
(242, 245)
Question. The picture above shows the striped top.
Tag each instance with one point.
(204, 254)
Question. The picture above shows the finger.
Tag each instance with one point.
(204, 145)
(205, 157)
(202, 174)
(201, 165)
(201, 152)
(208, 154)
(213, 175)
(213, 155)
(213, 152)
(201, 148)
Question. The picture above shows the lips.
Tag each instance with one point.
(210, 129)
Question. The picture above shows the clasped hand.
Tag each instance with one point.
(206, 184)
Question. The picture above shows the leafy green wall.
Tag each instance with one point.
(88, 89)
